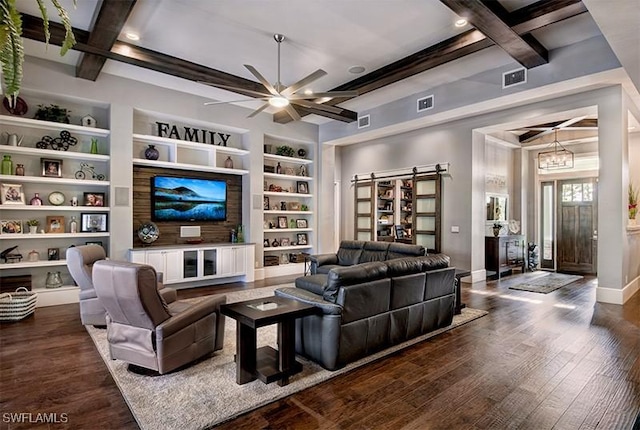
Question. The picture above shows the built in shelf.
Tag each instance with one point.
(280, 194)
(51, 208)
(289, 212)
(42, 236)
(33, 264)
(58, 181)
(155, 140)
(285, 159)
(56, 126)
(286, 248)
(185, 166)
(286, 230)
(293, 177)
(51, 153)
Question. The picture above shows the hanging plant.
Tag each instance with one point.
(11, 48)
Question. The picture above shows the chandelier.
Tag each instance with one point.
(557, 158)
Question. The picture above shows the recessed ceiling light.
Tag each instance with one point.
(356, 69)
(461, 22)
(132, 36)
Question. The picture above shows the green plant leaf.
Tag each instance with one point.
(45, 20)
(11, 51)
(69, 38)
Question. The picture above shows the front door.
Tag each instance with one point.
(577, 225)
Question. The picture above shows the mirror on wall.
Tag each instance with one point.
(497, 207)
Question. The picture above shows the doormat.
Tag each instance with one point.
(546, 283)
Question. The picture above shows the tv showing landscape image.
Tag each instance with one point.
(188, 199)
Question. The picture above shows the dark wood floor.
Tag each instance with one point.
(535, 362)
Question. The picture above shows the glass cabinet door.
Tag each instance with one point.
(209, 258)
(190, 264)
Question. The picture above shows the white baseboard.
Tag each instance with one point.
(618, 296)
(476, 276)
(57, 296)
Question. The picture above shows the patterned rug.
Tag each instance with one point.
(546, 283)
(205, 394)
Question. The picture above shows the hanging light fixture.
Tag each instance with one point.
(558, 158)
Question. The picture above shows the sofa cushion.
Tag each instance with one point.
(314, 283)
(374, 251)
(404, 266)
(326, 268)
(399, 250)
(349, 252)
(351, 275)
(434, 262)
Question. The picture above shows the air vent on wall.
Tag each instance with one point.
(364, 121)
(514, 77)
(425, 103)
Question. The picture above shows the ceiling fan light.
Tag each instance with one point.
(279, 102)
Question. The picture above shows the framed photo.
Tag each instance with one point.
(265, 203)
(93, 199)
(282, 222)
(294, 206)
(55, 224)
(266, 243)
(285, 241)
(12, 194)
(93, 242)
(302, 239)
(93, 222)
(51, 167)
(11, 226)
(301, 223)
(53, 254)
(302, 187)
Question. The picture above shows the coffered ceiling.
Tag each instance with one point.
(405, 46)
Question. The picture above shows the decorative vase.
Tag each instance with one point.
(94, 146)
(496, 231)
(151, 153)
(33, 229)
(240, 237)
(73, 225)
(36, 200)
(228, 163)
(20, 170)
(7, 165)
(53, 280)
(33, 255)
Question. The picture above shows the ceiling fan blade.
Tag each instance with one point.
(292, 113)
(235, 89)
(302, 82)
(260, 109)
(319, 106)
(235, 101)
(331, 94)
(262, 80)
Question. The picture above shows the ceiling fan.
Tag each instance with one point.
(281, 96)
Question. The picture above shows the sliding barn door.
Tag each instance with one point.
(364, 228)
(427, 202)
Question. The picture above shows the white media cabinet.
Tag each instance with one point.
(202, 262)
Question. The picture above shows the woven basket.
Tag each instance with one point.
(18, 305)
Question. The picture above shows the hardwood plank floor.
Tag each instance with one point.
(537, 361)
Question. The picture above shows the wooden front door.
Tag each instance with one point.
(577, 225)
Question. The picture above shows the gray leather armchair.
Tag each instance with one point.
(144, 331)
(80, 260)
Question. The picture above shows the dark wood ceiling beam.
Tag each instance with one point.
(527, 51)
(539, 130)
(108, 25)
(526, 19)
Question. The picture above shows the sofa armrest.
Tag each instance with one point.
(321, 260)
(196, 312)
(309, 298)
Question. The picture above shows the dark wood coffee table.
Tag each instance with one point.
(265, 363)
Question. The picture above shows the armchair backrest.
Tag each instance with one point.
(349, 252)
(128, 291)
(80, 260)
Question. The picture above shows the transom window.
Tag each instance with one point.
(577, 192)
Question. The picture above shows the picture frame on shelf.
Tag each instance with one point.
(51, 167)
(11, 226)
(94, 222)
(265, 203)
(289, 171)
(55, 224)
(302, 187)
(93, 199)
(294, 206)
(266, 243)
(283, 222)
(302, 223)
(284, 241)
(12, 194)
(302, 238)
(53, 254)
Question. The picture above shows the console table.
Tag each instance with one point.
(502, 254)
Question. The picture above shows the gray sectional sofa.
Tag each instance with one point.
(353, 252)
(370, 306)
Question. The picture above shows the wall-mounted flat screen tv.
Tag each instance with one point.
(188, 199)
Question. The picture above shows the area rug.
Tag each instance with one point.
(205, 394)
(546, 283)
